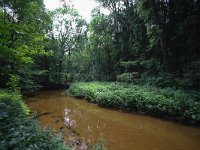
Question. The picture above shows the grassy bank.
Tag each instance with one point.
(19, 131)
(168, 103)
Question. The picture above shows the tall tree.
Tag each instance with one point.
(23, 26)
(68, 28)
(101, 46)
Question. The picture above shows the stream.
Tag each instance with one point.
(83, 124)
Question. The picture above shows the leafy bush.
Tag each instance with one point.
(14, 83)
(18, 131)
(191, 76)
(170, 103)
(162, 80)
(128, 77)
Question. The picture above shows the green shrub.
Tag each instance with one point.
(170, 103)
(21, 132)
(162, 80)
(128, 77)
(14, 83)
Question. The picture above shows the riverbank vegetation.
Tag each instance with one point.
(168, 103)
(24, 28)
(18, 130)
(154, 45)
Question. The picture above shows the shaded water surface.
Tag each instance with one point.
(121, 131)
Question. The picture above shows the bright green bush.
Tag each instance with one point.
(19, 131)
(14, 83)
(169, 103)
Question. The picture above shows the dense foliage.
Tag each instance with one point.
(19, 131)
(144, 42)
(34, 49)
(22, 28)
(152, 42)
(168, 103)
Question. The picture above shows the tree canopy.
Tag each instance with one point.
(152, 42)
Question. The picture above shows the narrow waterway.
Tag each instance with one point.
(119, 130)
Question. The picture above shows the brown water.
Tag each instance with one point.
(120, 130)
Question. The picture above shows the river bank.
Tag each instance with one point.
(116, 130)
(168, 103)
(18, 130)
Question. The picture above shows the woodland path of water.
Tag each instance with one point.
(84, 124)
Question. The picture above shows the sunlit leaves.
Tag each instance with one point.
(23, 26)
(161, 102)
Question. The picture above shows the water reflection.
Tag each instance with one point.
(68, 121)
(84, 123)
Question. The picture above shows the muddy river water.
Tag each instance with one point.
(118, 130)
